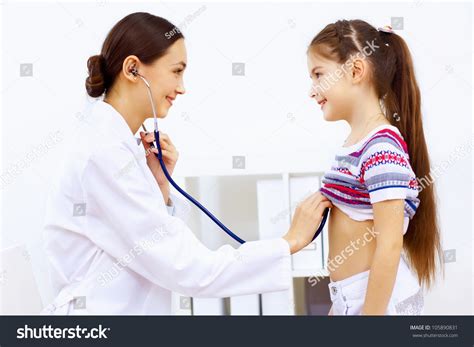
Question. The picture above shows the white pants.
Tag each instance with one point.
(348, 295)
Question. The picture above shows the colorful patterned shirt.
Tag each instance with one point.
(375, 169)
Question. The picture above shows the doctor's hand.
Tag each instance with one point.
(170, 155)
(306, 220)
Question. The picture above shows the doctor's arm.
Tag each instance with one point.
(127, 220)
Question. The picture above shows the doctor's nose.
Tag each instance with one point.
(180, 89)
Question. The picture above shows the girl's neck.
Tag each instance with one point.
(365, 117)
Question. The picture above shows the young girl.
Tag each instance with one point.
(384, 241)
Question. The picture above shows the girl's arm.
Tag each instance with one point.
(388, 224)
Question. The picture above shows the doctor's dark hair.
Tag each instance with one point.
(393, 78)
(141, 34)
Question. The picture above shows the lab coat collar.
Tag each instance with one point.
(117, 124)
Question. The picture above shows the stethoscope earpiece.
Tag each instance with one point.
(134, 71)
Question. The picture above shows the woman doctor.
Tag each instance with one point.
(115, 235)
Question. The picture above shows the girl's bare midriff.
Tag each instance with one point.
(351, 245)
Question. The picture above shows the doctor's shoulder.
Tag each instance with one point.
(84, 146)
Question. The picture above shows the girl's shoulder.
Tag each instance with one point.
(384, 138)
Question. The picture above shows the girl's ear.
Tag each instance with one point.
(359, 70)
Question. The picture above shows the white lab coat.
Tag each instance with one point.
(113, 246)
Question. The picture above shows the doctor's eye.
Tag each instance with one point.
(179, 71)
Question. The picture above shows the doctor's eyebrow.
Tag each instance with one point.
(182, 63)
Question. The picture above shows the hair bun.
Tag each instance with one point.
(95, 83)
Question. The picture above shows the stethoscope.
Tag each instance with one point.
(179, 189)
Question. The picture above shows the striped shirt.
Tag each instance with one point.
(375, 169)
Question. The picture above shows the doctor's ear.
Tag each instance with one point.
(130, 67)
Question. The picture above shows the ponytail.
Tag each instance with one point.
(403, 102)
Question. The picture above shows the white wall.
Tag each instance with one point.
(265, 115)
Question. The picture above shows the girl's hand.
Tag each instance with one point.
(170, 155)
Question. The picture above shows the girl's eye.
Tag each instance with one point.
(317, 74)
(178, 72)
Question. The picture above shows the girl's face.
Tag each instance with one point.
(331, 87)
(165, 76)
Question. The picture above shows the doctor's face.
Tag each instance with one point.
(166, 77)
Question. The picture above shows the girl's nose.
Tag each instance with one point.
(312, 92)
